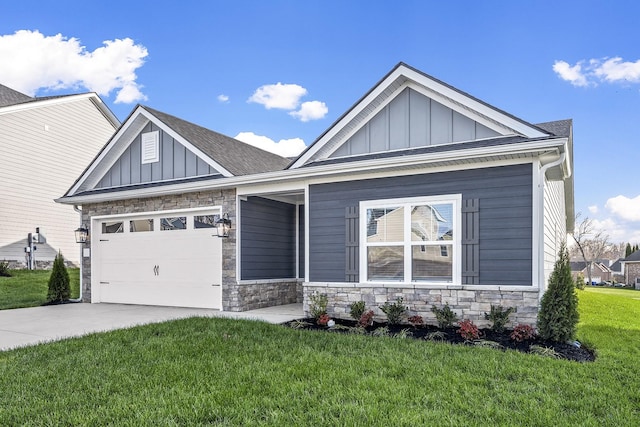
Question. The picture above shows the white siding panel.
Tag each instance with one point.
(42, 152)
(554, 223)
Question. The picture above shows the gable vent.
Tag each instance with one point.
(150, 147)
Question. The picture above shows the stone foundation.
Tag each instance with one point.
(260, 294)
(467, 303)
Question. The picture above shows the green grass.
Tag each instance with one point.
(231, 372)
(28, 288)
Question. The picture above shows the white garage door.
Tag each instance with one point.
(160, 259)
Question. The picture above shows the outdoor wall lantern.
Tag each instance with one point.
(223, 225)
(82, 234)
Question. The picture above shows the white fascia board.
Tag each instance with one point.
(187, 144)
(351, 168)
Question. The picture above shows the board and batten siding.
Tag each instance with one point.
(554, 223)
(505, 199)
(43, 150)
(412, 120)
(175, 162)
(267, 239)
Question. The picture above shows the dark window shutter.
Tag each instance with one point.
(471, 242)
(351, 244)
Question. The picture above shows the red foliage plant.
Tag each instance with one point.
(468, 330)
(323, 319)
(523, 333)
(416, 320)
(366, 319)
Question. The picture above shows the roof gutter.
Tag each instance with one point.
(325, 170)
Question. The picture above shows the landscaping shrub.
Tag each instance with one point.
(499, 317)
(318, 305)
(416, 320)
(394, 311)
(59, 282)
(468, 330)
(356, 310)
(366, 319)
(523, 333)
(580, 281)
(558, 315)
(445, 316)
(323, 320)
(4, 269)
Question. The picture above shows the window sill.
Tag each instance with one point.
(533, 289)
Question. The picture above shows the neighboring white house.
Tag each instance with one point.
(45, 143)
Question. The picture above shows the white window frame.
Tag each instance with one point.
(456, 246)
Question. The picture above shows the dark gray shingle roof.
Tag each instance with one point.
(236, 156)
(558, 128)
(633, 257)
(9, 96)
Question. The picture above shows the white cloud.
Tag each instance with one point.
(223, 98)
(571, 74)
(593, 209)
(312, 110)
(57, 62)
(624, 207)
(285, 147)
(282, 96)
(593, 71)
(614, 70)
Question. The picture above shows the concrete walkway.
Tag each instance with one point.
(29, 326)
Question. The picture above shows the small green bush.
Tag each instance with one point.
(580, 281)
(445, 316)
(499, 317)
(4, 269)
(394, 311)
(318, 305)
(356, 310)
(59, 282)
(558, 315)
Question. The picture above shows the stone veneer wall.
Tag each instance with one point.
(259, 294)
(466, 303)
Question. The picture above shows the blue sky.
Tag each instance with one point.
(218, 64)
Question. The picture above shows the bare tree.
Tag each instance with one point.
(591, 244)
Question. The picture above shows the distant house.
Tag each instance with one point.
(419, 191)
(617, 270)
(45, 143)
(631, 268)
(599, 270)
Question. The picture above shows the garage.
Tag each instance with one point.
(171, 258)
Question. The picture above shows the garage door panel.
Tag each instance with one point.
(162, 267)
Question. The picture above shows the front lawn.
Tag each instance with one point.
(231, 372)
(28, 288)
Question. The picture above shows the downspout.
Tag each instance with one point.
(542, 178)
(79, 299)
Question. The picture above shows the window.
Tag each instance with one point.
(138, 225)
(173, 223)
(110, 227)
(411, 240)
(205, 221)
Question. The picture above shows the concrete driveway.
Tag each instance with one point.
(29, 326)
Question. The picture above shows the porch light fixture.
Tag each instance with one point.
(82, 234)
(223, 225)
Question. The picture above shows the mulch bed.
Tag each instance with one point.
(488, 338)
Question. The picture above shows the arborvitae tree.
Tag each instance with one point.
(628, 250)
(59, 283)
(558, 314)
(636, 247)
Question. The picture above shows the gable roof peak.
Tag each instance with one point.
(10, 96)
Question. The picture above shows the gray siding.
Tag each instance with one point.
(268, 239)
(412, 120)
(301, 245)
(175, 162)
(505, 237)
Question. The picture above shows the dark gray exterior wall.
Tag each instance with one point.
(175, 162)
(505, 197)
(301, 245)
(268, 239)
